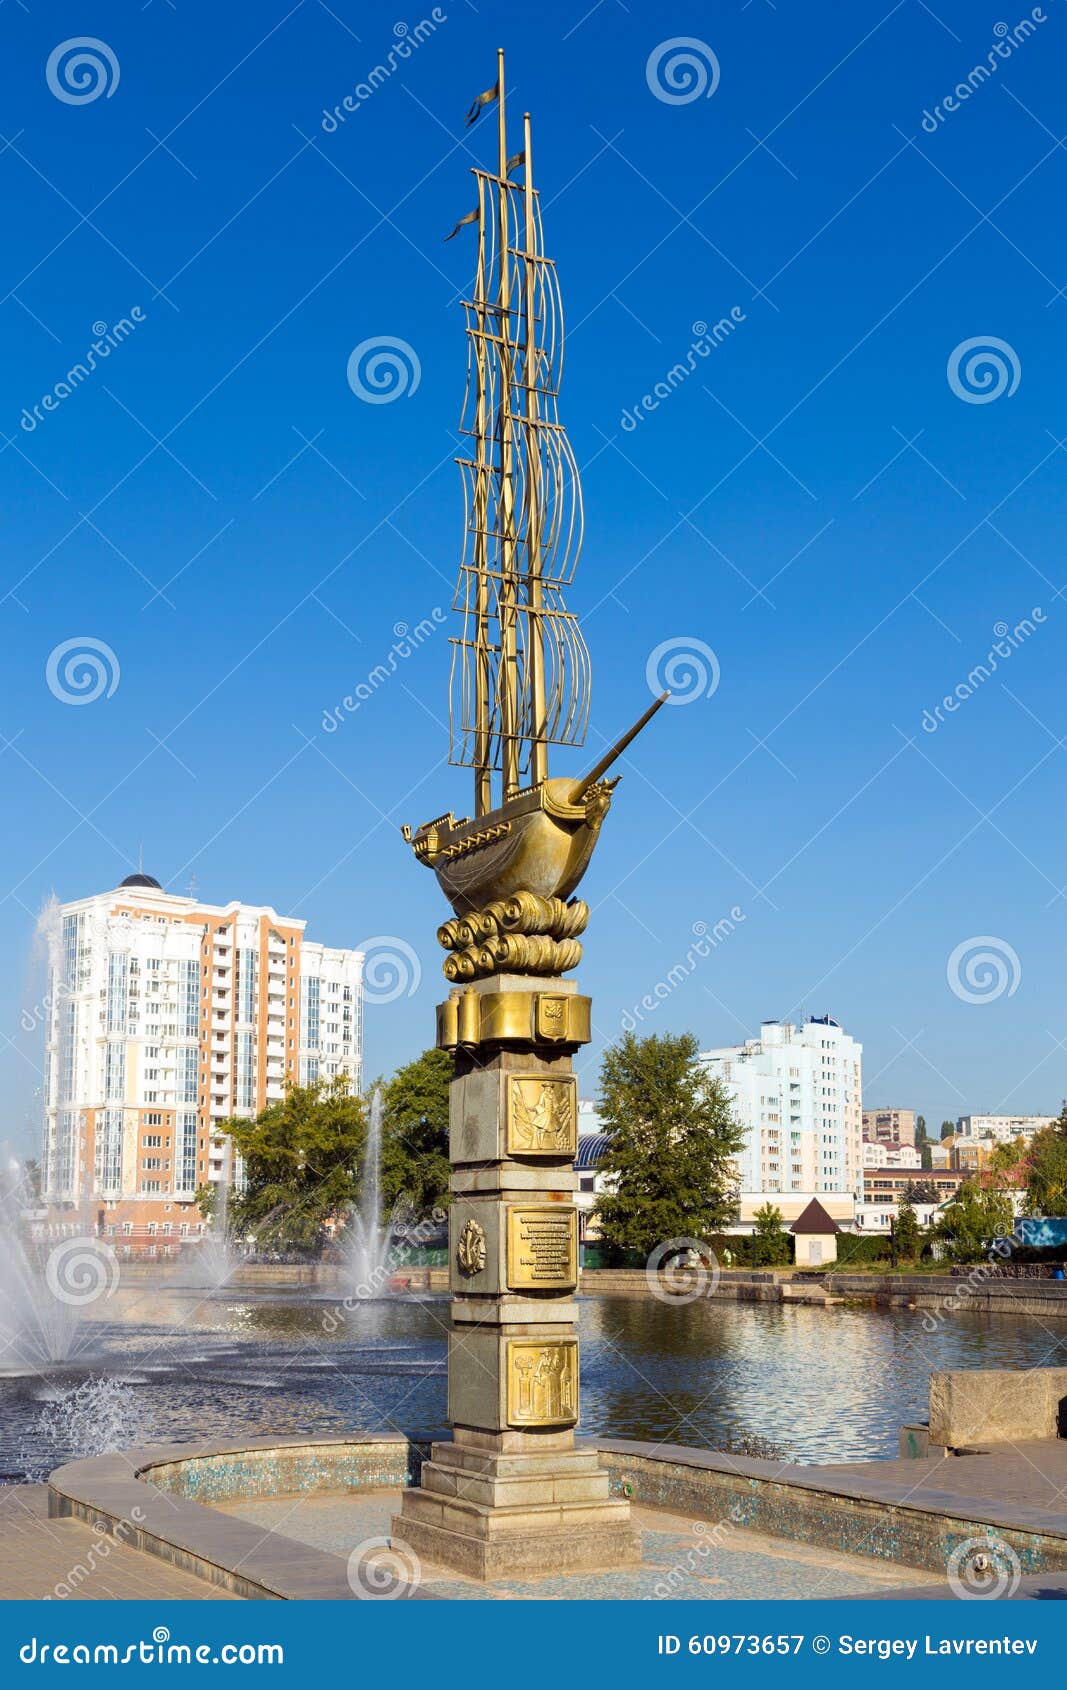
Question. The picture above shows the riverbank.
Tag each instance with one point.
(940, 1294)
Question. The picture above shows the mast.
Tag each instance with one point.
(508, 689)
(538, 745)
(520, 668)
(483, 759)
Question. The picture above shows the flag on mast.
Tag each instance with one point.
(482, 100)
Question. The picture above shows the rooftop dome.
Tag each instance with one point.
(142, 880)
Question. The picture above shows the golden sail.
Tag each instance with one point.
(520, 669)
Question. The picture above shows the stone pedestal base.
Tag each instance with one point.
(494, 1514)
(511, 1495)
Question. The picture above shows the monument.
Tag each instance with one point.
(511, 1493)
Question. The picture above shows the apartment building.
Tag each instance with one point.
(890, 1185)
(889, 1126)
(797, 1092)
(1004, 1128)
(890, 1155)
(165, 1017)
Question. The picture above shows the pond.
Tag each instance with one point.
(821, 1385)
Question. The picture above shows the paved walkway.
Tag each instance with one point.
(1020, 1483)
(65, 1559)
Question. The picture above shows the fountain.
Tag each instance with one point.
(209, 1264)
(40, 1305)
(367, 1243)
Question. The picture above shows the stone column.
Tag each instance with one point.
(511, 1494)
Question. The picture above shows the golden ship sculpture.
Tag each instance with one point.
(520, 668)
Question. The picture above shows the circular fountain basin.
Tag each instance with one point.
(293, 1519)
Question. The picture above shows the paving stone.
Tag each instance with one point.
(66, 1560)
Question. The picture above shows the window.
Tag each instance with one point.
(151, 1141)
(185, 1162)
(245, 1072)
(108, 1154)
(187, 1082)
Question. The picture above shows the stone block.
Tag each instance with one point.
(997, 1405)
(499, 1380)
(529, 1545)
(512, 1311)
(504, 1114)
(529, 1246)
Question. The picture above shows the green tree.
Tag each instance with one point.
(947, 1129)
(976, 1216)
(671, 1147)
(301, 1160)
(920, 1128)
(907, 1232)
(1046, 1160)
(415, 1164)
(773, 1247)
(926, 1158)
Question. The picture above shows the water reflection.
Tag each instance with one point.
(825, 1384)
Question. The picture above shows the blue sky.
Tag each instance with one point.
(818, 503)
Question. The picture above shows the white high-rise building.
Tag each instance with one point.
(797, 1091)
(1004, 1128)
(166, 1017)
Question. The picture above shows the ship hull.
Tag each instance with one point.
(540, 841)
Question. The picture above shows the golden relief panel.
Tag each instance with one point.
(543, 1382)
(543, 1247)
(541, 1115)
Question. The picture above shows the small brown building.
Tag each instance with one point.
(815, 1233)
